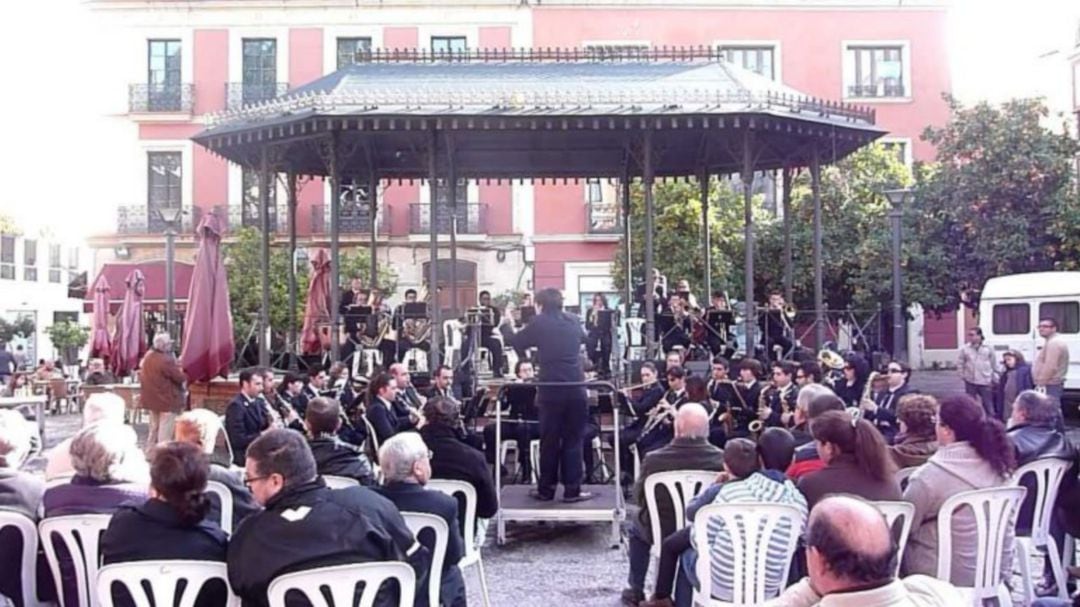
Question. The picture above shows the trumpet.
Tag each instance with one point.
(662, 413)
(756, 427)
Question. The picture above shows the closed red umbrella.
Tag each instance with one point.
(317, 311)
(100, 343)
(208, 329)
(129, 341)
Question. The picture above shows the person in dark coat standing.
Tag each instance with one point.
(161, 389)
(453, 458)
(172, 524)
(246, 416)
(332, 455)
(201, 427)
(406, 468)
(306, 525)
(558, 337)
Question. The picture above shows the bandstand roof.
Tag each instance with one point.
(540, 114)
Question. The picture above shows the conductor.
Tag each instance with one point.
(563, 411)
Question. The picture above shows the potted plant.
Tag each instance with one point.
(68, 338)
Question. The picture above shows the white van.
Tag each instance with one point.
(1011, 306)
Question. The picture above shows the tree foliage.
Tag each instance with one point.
(23, 326)
(8, 225)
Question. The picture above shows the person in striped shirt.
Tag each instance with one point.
(752, 474)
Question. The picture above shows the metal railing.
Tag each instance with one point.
(234, 217)
(874, 90)
(352, 220)
(471, 218)
(142, 219)
(146, 98)
(239, 94)
(604, 217)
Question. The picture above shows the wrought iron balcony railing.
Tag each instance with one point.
(352, 220)
(236, 216)
(239, 94)
(875, 90)
(146, 98)
(142, 219)
(604, 217)
(471, 218)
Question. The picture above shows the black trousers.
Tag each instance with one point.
(598, 345)
(674, 338)
(771, 341)
(522, 433)
(562, 429)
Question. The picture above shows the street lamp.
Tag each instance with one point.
(171, 217)
(897, 198)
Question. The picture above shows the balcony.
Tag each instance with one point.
(356, 220)
(161, 99)
(235, 216)
(870, 91)
(604, 217)
(239, 94)
(471, 218)
(142, 220)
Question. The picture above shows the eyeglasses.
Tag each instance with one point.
(252, 479)
(430, 454)
(1045, 326)
(896, 370)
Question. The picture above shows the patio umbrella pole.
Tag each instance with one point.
(293, 346)
(264, 257)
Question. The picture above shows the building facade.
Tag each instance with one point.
(182, 60)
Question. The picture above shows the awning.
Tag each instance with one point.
(154, 271)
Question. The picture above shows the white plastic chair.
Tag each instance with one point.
(1048, 474)
(452, 339)
(228, 443)
(163, 579)
(750, 527)
(341, 581)
(81, 535)
(28, 558)
(339, 482)
(635, 339)
(225, 498)
(418, 522)
(905, 512)
(903, 475)
(417, 359)
(995, 512)
(682, 486)
(472, 547)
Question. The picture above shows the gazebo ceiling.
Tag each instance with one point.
(535, 115)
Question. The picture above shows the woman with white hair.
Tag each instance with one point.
(19, 492)
(201, 428)
(100, 408)
(102, 481)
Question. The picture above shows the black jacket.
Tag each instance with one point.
(885, 417)
(338, 458)
(1035, 442)
(244, 421)
(649, 398)
(851, 395)
(557, 337)
(455, 460)
(243, 502)
(153, 531)
(309, 526)
(385, 420)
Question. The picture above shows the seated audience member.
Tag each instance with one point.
(20, 492)
(454, 459)
(406, 467)
(917, 439)
(247, 416)
(381, 411)
(856, 460)
(689, 450)
(201, 427)
(973, 453)
(101, 482)
(172, 524)
(306, 525)
(97, 374)
(101, 408)
(801, 416)
(806, 458)
(851, 559)
(332, 455)
(744, 482)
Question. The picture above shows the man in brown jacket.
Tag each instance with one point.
(161, 389)
(1052, 361)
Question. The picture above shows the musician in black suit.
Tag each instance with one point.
(442, 383)
(775, 327)
(349, 307)
(651, 393)
(748, 393)
(718, 336)
(381, 413)
(782, 395)
(404, 341)
(598, 335)
(722, 393)
(658, 429)
(487, 337)
(520, 420)
(246, 417)
(677, 326)
(882, 413)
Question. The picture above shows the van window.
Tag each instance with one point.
(1066, 313)
(1012, 319)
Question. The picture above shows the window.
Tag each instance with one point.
(59, 317)
(353, 50)
(757, 59)
(593, 191)
(1066, 313)
(900, 149)
(163, 75)
(249, 211)
(163, 186)
(604, 217)
(259, 69)
(876, 71)
(54, 263)
(615, 50)
(448, 44)
(29, 260)
(1012, 319)
(7, 257)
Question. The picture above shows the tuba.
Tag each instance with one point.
(418, 330)
(369, 338)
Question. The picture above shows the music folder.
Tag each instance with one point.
(415, 310)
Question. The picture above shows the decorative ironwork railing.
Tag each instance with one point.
(143, 219)
(240, 94)
(471, 218)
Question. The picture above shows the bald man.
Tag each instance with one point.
(689, 450)
(851, 558)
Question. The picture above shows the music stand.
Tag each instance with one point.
(521, 399)
(416, 310)
(527, 313)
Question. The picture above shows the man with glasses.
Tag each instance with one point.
(882, 411)
(1052, 361)
(976, 365)
(807, 373)
(306, 525)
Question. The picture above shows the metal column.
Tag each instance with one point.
(650, 280)
(625, 189)
(264, 258)
(451, 197)
(433, 266)
(748, 236)
(787, 175)
(706, 236)
(335, 250)
(819, 292)
(373, 212)
(292, 347)
(896, 215)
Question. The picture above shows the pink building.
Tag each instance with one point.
(187, 60)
